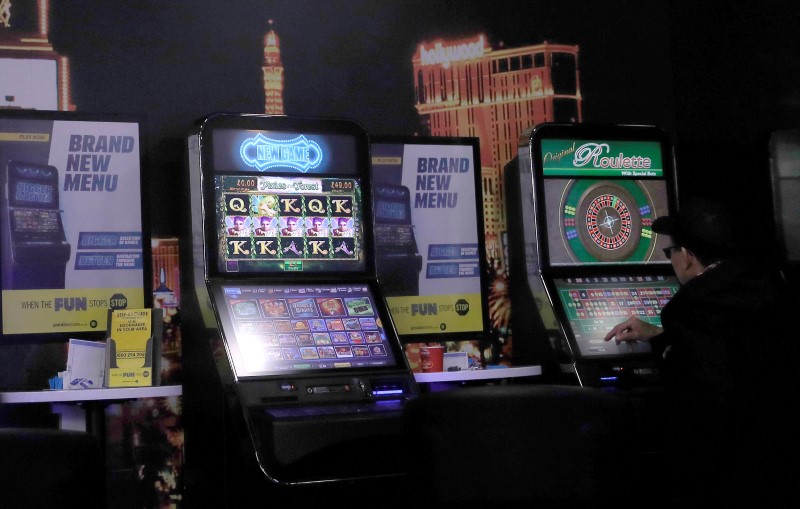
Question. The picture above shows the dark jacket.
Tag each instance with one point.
(728, 358)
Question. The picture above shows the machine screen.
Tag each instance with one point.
(388, 210)
(300, 151)
(286, 201)
(269, 224)
(286, 329)
(33, 193)
(35, 221)
(33, 196)
(593, 305)
(32, 185)
(601, 197)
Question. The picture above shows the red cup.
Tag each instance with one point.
(431, 358)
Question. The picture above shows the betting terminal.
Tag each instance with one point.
(283, 245)
(586, 201)
(38, 249)
(398, 259)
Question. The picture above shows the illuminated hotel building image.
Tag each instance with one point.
(466, 88)
(272, 74)
(32, 74)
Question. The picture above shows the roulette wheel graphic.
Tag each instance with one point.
(607, 221)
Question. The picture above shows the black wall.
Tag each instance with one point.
(736, 79)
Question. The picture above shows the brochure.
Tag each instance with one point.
(133, 347)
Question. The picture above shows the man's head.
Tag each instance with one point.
(238, 222)
(701, 227)
(265, 221)
(316, 223)
(342, 223)
(291, 222)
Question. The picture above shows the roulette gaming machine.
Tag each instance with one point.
(285, 270)
(587, 196)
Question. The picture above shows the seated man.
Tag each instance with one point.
(725, 355)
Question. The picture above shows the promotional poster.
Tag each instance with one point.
(427, 214)
(71, 218)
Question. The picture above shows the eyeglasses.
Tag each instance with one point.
(668, 251)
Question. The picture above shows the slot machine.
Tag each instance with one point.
(38, 247)
(398, 259)
(282, 225)
(588, 195)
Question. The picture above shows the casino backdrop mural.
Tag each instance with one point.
(485, 70)
(448, 68)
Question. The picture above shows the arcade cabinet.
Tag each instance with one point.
(588, 258)
(399, 262)
(285, 268)
(784, 160)
(37, 249)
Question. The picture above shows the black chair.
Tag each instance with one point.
(524, 445)
(51, 468)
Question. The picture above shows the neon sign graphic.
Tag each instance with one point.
(441, 54)
(263, 153)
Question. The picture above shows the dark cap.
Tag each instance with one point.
(701, 226)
